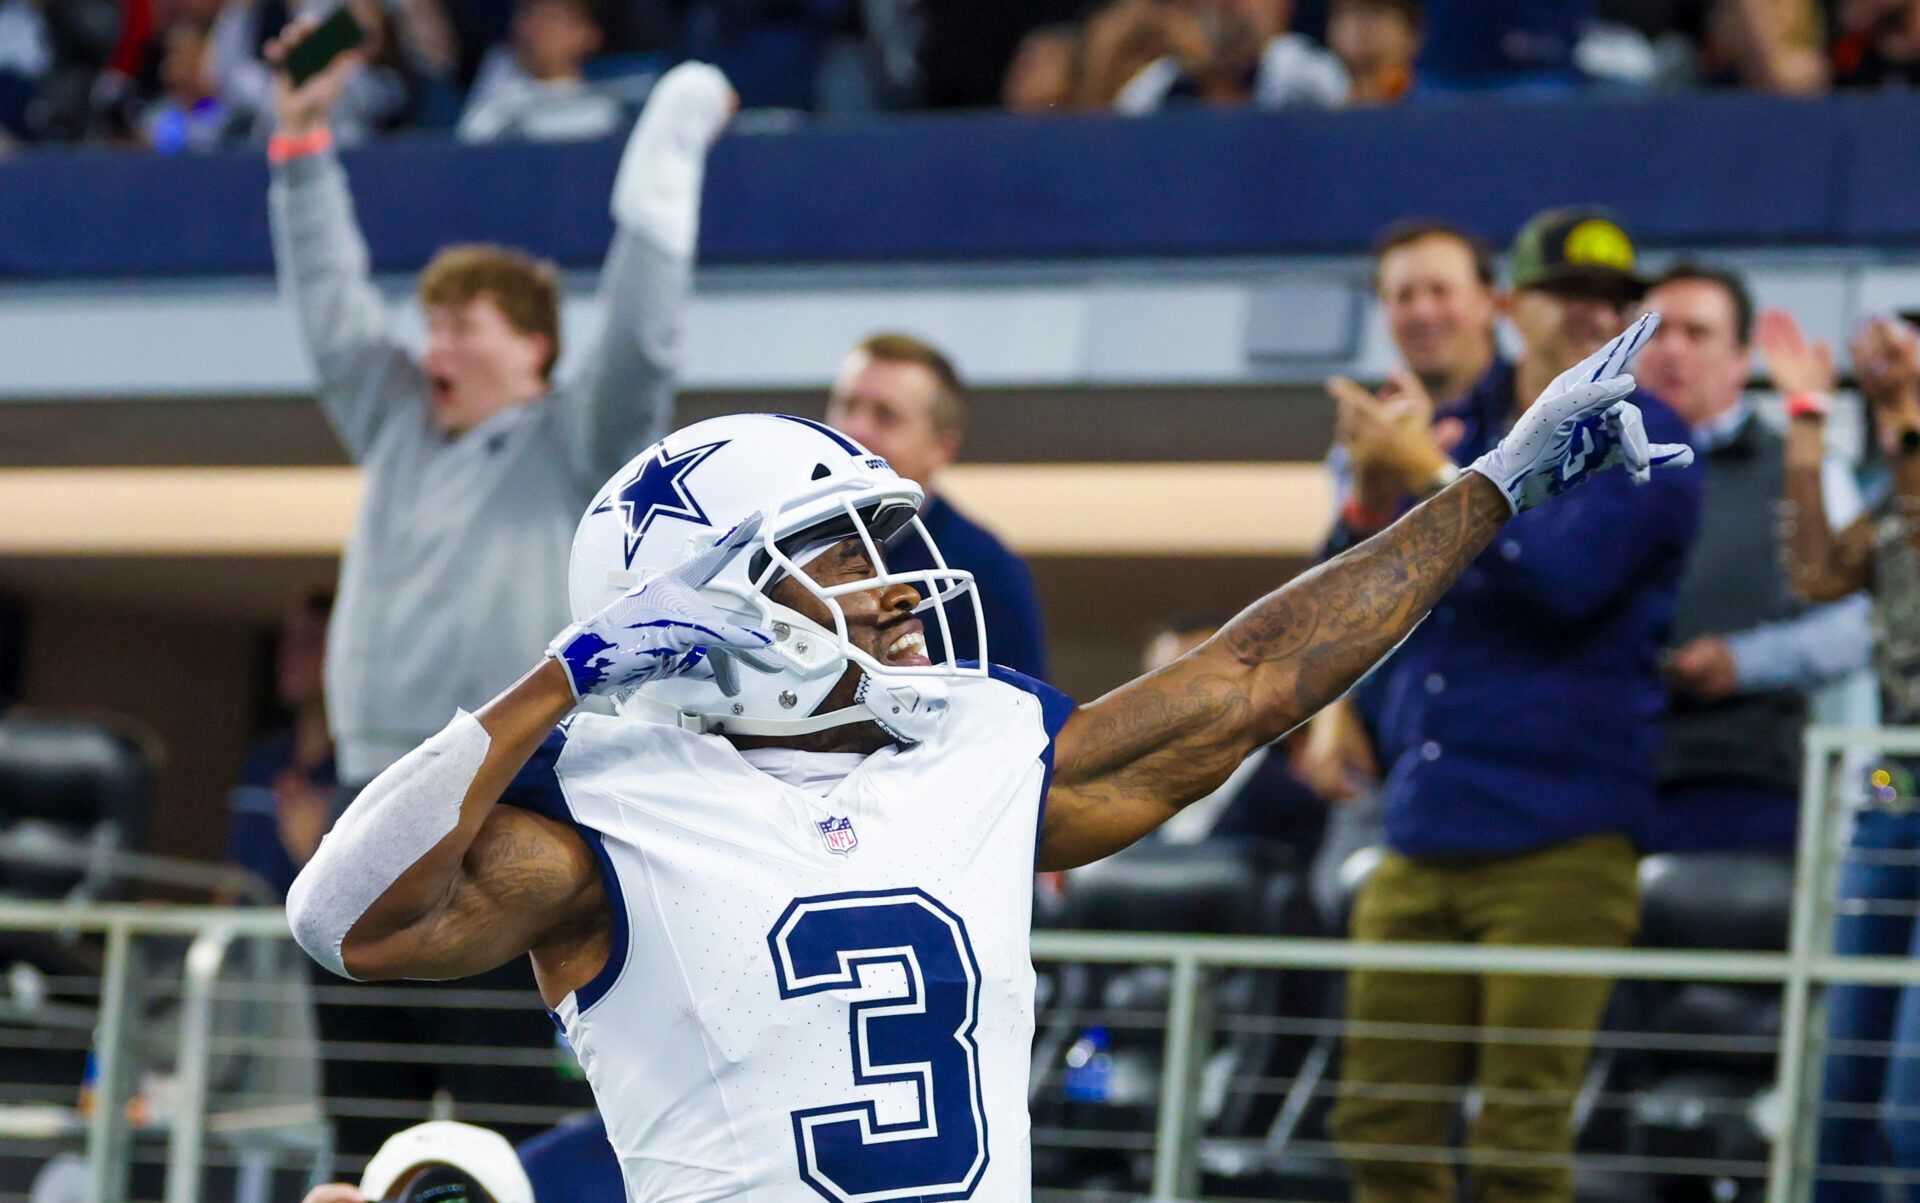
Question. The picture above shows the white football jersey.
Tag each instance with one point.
(812, 997)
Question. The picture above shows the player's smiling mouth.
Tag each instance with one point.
(907, 647)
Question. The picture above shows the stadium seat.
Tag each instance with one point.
(1217, 887)
(1694, 1094)
(1721, 900)
(72, 793)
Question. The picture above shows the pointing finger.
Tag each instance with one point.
(1627, 344)
(1631, 429)
(707, 565)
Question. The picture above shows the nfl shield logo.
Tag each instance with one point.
(839, 835)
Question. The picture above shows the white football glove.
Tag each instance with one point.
(664, 628)
(1579, 426)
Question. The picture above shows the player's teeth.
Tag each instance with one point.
(907, 643)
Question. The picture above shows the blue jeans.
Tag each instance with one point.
(1875, 1014)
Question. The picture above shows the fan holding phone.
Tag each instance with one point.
(320, 45)
(479, 452)
(379, 85)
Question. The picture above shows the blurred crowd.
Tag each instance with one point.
(1135, 56)
(187, 75)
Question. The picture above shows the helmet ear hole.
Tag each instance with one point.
(820, 470)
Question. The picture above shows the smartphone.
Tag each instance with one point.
(325, 42)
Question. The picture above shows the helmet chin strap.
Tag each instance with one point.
(910, 709)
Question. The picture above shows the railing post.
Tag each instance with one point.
(107, 1134)
(1796, 1150)
(1175, 1170)
(186, 1142)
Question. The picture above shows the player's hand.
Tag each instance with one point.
(1581, 424)
(309, 107)
(335, 1192)
(1794, 364)
(664, 628)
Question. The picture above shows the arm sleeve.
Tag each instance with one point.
(363, 374)
(1807, 652)
(620, 399)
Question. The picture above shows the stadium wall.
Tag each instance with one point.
(1684, 170)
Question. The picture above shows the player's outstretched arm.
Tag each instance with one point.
(1126, 763)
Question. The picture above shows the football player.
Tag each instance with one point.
(780, 902)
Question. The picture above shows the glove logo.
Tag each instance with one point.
(660, 491)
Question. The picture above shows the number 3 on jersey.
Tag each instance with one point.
(912, 966)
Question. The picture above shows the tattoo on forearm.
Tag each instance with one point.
(1821, 565)
(1315, 637)
(1169, 738)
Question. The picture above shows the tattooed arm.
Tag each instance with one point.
(1126, 763)
(526, 884)
(504, 882)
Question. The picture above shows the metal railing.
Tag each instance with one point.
(1178, 1145)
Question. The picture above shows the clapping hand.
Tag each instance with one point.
(1396, 448)
(1796, 365)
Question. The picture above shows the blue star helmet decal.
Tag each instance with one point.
(660, 491)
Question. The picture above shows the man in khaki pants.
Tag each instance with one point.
(1516, 731)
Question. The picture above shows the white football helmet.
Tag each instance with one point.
(814, 487)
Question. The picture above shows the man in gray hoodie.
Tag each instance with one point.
(477, 462)
(477, 466)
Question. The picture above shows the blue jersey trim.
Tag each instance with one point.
(1055, 709)
(536, 787)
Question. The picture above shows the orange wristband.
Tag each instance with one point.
(283, 147)
(1807, 405)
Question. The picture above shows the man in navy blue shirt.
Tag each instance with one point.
(901, 398)
(1517, 730)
